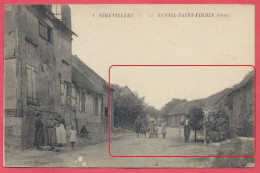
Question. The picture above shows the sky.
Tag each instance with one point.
(105, 41)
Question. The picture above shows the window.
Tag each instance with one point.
(74, 97)
(67, 92)
(95, 105)
(64, 93)
(106, 111)
(83, 100)
(31, 85)
(45, 31)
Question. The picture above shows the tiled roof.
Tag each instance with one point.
(78, 62)
(82, 80)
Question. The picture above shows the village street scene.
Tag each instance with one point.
(59, 112)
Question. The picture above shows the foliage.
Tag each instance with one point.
(127, 108)
(196, 118)
(152, 111)
(245, 127)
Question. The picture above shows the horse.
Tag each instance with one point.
(208, 124)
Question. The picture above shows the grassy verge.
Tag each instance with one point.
(235, 147)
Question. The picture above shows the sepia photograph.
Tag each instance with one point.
(129, 86)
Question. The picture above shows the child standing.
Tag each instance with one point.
(73, 136)
(164, 129)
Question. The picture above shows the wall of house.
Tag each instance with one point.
(88, 117)
(174, 121)
(243, 107)
(45, 58)
(12, 111)
(102, 84)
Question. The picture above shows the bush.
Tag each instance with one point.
(245, 129)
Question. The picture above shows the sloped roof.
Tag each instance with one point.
(124, 91)
(80, 79)
(210, 103)
(79, 63)
(249, 77)
(184, 108)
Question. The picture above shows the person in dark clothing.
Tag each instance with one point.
(39, 139)
(84, 132)
(138, 125)
(186, 124)
(151, 129)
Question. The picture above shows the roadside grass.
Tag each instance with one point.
(235, 147)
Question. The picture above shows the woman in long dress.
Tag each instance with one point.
(51, 133)
(60, 131)
(39, 139)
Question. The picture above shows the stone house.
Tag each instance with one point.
(37, 67)
(40, 74)
(178, 112)
(89, 99)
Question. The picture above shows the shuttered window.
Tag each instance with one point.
(95, 105)
(83, 100)
(45, 31)
(74, 97)
(32, 85)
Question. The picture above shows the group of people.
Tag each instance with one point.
(52, 132)
(206, 125)
(142, 127)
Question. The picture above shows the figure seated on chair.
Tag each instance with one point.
(84, 132)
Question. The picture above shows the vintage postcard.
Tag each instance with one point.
(129, 86)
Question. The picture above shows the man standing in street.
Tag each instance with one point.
(138, 125)
(186, 124)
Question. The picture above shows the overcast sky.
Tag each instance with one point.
(104, 41)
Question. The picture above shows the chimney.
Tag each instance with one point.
(66, 15)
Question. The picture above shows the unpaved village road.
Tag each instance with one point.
(97, 155)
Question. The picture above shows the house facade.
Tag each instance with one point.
(242, 120)
(90, 99)
(39, 74)
(174, 120)
(178, 112)
(37, 65)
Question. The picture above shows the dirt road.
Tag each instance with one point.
(96, 155)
